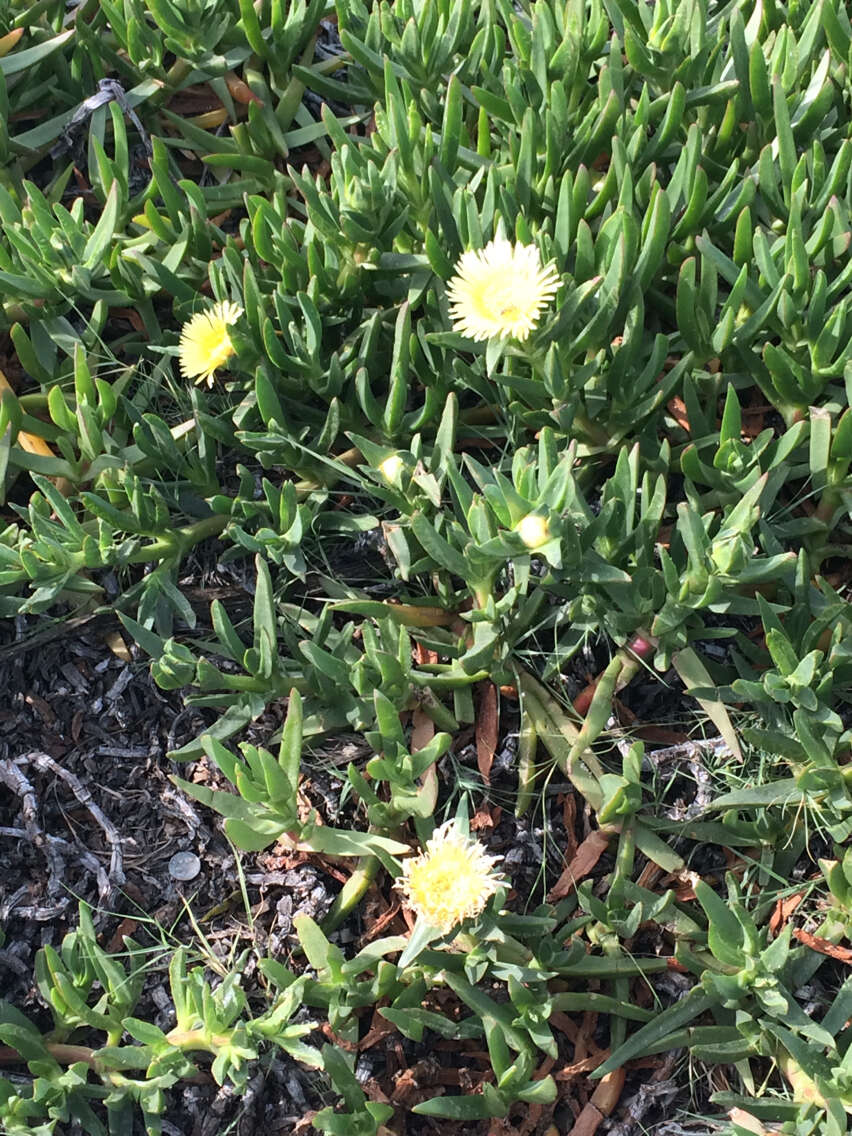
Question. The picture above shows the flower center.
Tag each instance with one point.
(500, 299)
(219, 346)
(447, 887)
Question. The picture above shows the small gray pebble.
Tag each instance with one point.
(184, 866)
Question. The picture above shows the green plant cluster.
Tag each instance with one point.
(678, 424)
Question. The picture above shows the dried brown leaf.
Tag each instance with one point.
(487, 722)
(823, 946)
(582, 862)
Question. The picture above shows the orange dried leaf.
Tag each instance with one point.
(482, 820)
(8, 41)
(560, 1020)
(823, 946)
(423, 656)
(126, 927)
(381, 1029)
(649, 875)
(747, 1121)
(569, 820)
(115, 641)
(416, 615)
(584, 699)
(677, 409)
(422, 730)
(240, 91)
(486, 731)
(784, 908)
(130, 314)
(582, 862)
(336, 1039)
(607, 1094)
(585, 1065)
(31, 443)
(210, 119)
(661, 736)
(675, 964)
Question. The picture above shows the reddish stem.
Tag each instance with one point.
(70, 1054)
(641, 647)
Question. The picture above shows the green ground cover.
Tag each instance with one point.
(656, 477)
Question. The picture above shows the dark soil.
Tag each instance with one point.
(100, 719)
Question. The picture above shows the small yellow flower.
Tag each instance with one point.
(500, 290)
(205, 344)
(452, 879)
(391, 467)
(534, 531)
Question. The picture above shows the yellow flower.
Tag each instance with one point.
(500, 290)
(452, 879)
(534, 531)
(205, 344)
(391, 467)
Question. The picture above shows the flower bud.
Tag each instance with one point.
(391, 468)
(533, 530)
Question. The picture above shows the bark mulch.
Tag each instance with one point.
(87, 811)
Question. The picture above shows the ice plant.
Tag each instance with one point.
(451, 880)
(205, 342)
(501, 290)
(533, 530)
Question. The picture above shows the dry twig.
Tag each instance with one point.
(43, 762)
(14, 779)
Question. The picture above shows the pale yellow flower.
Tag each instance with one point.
(451, 880)
(391, 467)
(501, 290)
(205, 343)
(534, 531)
